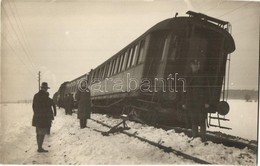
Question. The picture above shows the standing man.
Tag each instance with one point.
(196, 100)
(70, 102)
(84, 104)
(42, 116)
(66, 105)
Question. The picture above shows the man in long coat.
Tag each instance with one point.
(196, 100)
(84, 104)
(42, 116)
(70, 104)
(66, 106)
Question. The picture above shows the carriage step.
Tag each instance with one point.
(211, 117)
(149, 102)
(222, 127)
(142, 109)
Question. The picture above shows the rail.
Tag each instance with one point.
(164, 148)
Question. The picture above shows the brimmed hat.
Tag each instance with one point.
(195, 61)
(45, 85)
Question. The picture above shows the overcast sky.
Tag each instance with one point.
(66, 38)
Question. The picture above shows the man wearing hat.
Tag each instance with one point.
(42, 116)
(84, 104)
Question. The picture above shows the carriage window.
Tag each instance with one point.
(173, 48)
(121, 63)
(165, 47)
(108, 65)
(113, 67)
(134, 55)
(130, 57)
(109, 68)
(125, 60)
(102, 72)
(140, 52)
(106, 70)
(97, 73)
(116, 66)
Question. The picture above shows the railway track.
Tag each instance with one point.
(218, 138)
(215, 137)
(162, 147)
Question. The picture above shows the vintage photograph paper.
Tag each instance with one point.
(90, 82)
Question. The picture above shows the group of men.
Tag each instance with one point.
(44, 110)
(195, 103)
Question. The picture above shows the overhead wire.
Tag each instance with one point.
(17, 36)
(22, 32)
(220, 1)
(21, 60)
(231, 11)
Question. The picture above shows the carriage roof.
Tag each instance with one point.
(177, 22)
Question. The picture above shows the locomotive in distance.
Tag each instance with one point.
(165, 49)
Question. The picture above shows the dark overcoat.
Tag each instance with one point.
(84, 104)
(66, 102)
(196, 96)
(42, 112)
(52, 107)
(70, 102)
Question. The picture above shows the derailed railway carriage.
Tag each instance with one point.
(146, 79)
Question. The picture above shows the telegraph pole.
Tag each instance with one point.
(39, 79)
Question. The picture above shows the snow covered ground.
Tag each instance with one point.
(243, 119)
(68, 144)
